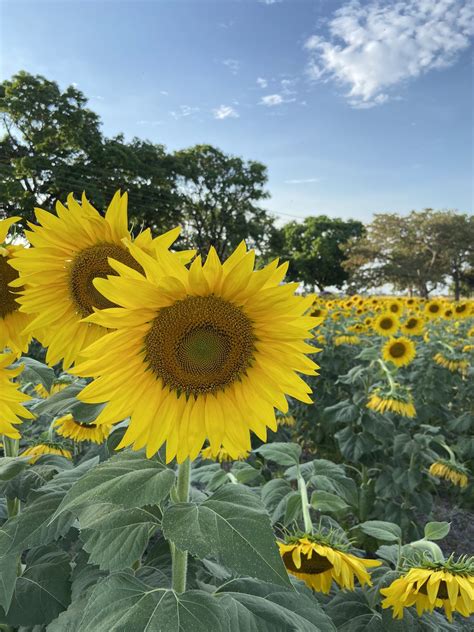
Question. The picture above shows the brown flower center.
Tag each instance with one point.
(386, 323)
(313, 565)
(397, 350)
(434, 309)
(8, 303)
(92, 263)
(200, 344)
(411, 323)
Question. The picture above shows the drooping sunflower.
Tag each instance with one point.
(222, 456)
(346, 339)
(319, 564)
(286, 420)
(12, 321)
(12, 412)
(399, 402)
(447, 584)
(453, 364)
(69, 251)
(413, 325)
(385, 324)
(211, 351)
(399, 351)
(57, 387)
(67, 426)
(434, 308)
(46, 448)
(450, 471)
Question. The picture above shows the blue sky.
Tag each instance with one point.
(355, 107)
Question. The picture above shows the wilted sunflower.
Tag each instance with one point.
(45, 448)
(12, 321)
(450, 363)
(210, 352)
(413, 325)
(318, 564)
(399, 351)
(447, 584)
(221, 455)
(434, 308)
(385, 324)
(67, 426)
(344, 339)
(450, 471)
(399, 402)
(11, 398)
(69, 251)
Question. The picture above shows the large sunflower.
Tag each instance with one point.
(11, 398)
(12, 321)
(69, 251)
(434, 308)
(319, 564)
(210, 352)
(67, 426)
(399, 351)
(413, 325)
(448, 585)
(386, 324)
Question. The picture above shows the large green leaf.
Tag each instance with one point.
(282, 453)
(231, 525)
(275, 496)
(327, 502)
(437, 530)
(123, 603)
(36, 372)
(8, 568)
(381, 530)
(116, 537)
(11, 466)
(66, 402)
(127, 480)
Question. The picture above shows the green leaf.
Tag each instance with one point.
(66, 402)
(8, 568)
(127, 480)
(10, 466)
(36, 372)
(245, 473)
(275, 497)
(115, 538)
(293, 507)
(282, 453)
(381, 530)
(123, 603)
(42, 592)
(327, 502)
(232, 526)
(437, 530)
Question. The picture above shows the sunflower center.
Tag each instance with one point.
(442, 590)
(92, 263)
(459, 309)
(411, 323)
(394, 308)
(386, 323)
(8, 303)
(434, 309)
(313, 565)
(200, 344)
(397, 350)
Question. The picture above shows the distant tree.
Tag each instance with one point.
(313, 248)
(219, 196)
(418, 251)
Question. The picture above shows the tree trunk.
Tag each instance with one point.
(457, 283)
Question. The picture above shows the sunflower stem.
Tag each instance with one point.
(389, 375)
(11, 448)
(308, 524)
(180, 558)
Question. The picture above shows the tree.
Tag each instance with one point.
(219, 197)
(313, 248)
(417, 252)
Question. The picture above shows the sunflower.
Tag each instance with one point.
(351, 339)
(399, 351)
(67, 426)
(386, 324)
(211, 351)
(413, 325)
(447, 584)
(400, 402)
(69, 251)
(452, 364)
(319, 312)
(450, 471)
(45, 448)
(434, 308)
(222, 456)
(461, 310)
(12, 321)
(57, 387)
(318, 564)
(395, 307)
(286, 420)
(11, 398)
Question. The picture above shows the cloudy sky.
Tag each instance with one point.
(356, 107)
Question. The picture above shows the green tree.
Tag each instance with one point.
(219, 199)
(313, 248)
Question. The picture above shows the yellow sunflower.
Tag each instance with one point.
(394, 306)
(11, 398)
(399, 351)
(12, 321)
(449, 471)
(221, 455)
(445, 585)
(286, 420)
(45, 448)
(461, 310)
(319, 312)
(386, 324)
(400, 402)
(450, 363)
(69, 251)
(57, 387)
(343, 339)
(67, 426)
(319, 564)
(434, 308)
(413, 325)
(210, 350)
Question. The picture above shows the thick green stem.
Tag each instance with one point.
(308, 525)
(11, 448)
(180, 558)
(387, 372)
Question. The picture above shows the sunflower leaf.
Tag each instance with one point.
(437, 530)
(232, 526)
(36, 372)
(281, 453)
(381, 530)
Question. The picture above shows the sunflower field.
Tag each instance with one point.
(190, 444)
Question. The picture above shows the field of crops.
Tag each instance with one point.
(192, 444)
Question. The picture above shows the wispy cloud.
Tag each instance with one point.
(271, 100)
(225, 111)
(262, 82)
(302, 181)
(269, 2)
(374, 47)
(151, 123)
(232, 64)
(165, 93)
(184, 110)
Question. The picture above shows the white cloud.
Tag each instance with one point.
(374, 47)
(225, 111)
(271, 100)
(302, 181)
(164, 93)
(184, 110)
(147, 122)
(262, 82)
(269, 2)
(232, 64)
